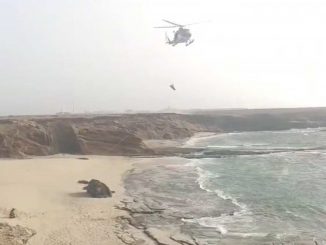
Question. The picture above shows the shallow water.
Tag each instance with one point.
(245, 199)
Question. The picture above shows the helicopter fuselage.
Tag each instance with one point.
(182, 35)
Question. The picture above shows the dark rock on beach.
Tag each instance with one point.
(12, 213)
(96, 188)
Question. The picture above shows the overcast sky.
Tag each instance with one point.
(104, 55)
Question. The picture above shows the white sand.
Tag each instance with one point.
(48, 199)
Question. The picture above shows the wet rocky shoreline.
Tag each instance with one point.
(163, 210)
(165, 202)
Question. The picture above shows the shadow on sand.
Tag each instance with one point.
(79, 195)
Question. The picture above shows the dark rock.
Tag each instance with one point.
(97, 189)
(12, 214)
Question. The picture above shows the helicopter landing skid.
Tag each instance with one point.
(190, 42)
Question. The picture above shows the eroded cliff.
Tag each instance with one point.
(125, 134)
(105, 135)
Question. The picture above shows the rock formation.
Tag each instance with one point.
(14, 235)
(124, 134)
(12, 213)
(96, 188)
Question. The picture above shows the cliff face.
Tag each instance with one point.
(260, 119)
(18, 138)
(109, 135)
(124, 134)
(159, 126)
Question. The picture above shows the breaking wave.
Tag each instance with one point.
(240, 214)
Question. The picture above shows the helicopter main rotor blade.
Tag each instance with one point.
(173, 23)
(196, 23)
(165, 27)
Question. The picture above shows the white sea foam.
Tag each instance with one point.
(222, 229)
(244, 235)
(203, 178)
(254, 145)
(221, 222)
(242, 206)
(223, 146)
(306, 130)
(199, 137)
(259, 217)
(192, 163)
(225, 223)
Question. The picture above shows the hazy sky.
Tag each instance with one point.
(103, 55)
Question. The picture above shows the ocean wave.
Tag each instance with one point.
(264, 147)
(245, 235)
(224, 146)
(218, 152)
(243, 207)
(307, 130)
(254, 212)
(221, 222)
(224, 224)
(204, 177)
(199, 137)
(239, 145)
(192, 163)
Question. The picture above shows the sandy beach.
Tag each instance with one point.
(48, 199)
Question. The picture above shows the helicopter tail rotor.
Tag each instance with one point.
(168, 41)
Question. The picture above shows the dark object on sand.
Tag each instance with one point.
(12, 214)
(83, 158)
(96, 188)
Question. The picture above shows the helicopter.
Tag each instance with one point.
(182, 35)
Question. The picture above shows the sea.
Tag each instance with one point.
(268, 188)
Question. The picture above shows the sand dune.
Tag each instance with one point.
(48, 199)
